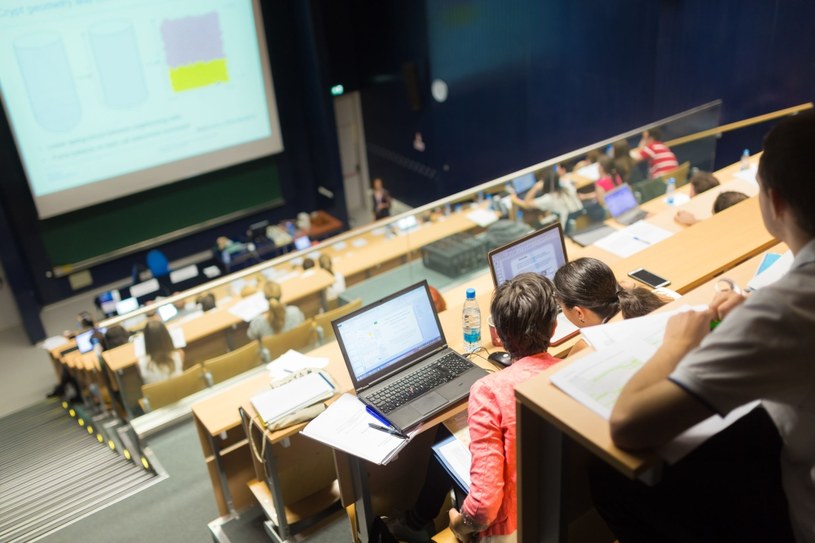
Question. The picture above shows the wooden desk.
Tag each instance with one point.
(694, 255)
(214, 333)
(550, 423)
(356, 263)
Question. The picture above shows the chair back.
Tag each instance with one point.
(232, 363)
(680, 174)
(649, 189)
(325, 332)
(171, 390)
(299, 338)
(157, 262)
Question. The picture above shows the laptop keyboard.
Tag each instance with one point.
(411, 386)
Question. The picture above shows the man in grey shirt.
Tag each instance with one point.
(764, 348)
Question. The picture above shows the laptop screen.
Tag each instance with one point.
(85, 340)
(399, 328)
(523, 183)
(542, 251)
(620, 200)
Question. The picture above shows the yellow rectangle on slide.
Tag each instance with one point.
(199, 74)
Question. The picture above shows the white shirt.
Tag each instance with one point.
(562, 202)
(151, 373)
(765, 349)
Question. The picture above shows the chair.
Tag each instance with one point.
(232, 363)
(300, 337)
(157, 263)
(649, 189)
(680, 174)
(325, 332)
(173, 389)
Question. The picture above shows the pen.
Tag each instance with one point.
(714, 323)
(390, 431)
(645, 241)
(378, 416)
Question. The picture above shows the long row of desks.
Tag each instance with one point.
(696, 254)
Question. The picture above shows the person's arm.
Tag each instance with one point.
(529, 199)
(651, 409)
(481, 506)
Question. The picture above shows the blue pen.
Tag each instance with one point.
(375, 414)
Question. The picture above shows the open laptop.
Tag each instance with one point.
(521, 185)
(623, 206)
(389, 344)
(543, 252)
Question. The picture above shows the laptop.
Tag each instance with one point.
(389, 344)
(85, 341)
(522, 184)
(623, 206)
(542, 252)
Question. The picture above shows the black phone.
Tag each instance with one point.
(649, 278)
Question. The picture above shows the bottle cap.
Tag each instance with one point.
(470, 293)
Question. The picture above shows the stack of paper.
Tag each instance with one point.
(482, 217)
(633, 239)
(623, 347)
(344, 426)
(250, 307)
(277, 403)
(291, 362)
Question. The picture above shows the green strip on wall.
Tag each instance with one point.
(103, 228)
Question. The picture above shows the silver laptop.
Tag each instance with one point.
(398, 359)
(542, 252)
(623, 206)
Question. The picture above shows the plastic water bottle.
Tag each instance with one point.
(745, 159)
(471, 322)
(669, 191)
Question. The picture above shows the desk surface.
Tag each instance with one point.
(587, 427)
(215, 320)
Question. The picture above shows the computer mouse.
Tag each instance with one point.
(500, 357)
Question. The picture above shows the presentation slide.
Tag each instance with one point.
(112, 97)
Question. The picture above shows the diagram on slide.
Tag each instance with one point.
(194, 50)
(48, 81)
(118, 63)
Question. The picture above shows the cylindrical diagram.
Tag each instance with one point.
(49, 81)
(118, 63)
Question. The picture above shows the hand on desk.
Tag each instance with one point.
(685, 217)
(725, 302)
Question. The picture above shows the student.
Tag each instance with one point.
(559, 197)
(333, 292)
(273, 291)
(624, 164)
(762, 350)
(661, 159)
(702, 182)
(206, 301)
(381, 200)
(116, 336)
(279, 319)
(724, 200)
(525, 315)
(308, 263)
(609, 178)
(162, 360)
(589, 294)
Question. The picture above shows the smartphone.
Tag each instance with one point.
(649, 278)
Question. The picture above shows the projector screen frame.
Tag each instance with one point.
(68, 200)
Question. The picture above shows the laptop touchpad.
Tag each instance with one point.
(428, 403)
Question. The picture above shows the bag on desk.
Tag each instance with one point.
(304, 412)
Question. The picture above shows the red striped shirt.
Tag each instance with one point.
(661, 160)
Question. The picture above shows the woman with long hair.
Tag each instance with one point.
(162, 360)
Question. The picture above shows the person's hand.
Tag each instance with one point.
(685, 217)
(457, 526)
(686, 330)
(725, 302)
